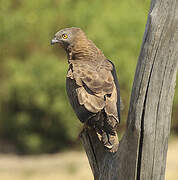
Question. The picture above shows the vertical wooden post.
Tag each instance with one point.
(143, 149)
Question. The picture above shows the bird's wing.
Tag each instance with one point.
(96, 87)
(114, 74)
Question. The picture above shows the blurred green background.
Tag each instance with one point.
(35, 115)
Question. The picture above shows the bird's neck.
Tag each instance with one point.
(84, 50)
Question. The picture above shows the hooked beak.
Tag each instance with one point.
(54, 41)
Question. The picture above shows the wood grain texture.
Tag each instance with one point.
(143, 149)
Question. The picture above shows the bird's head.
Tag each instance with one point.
(76, 44)
(67, 36)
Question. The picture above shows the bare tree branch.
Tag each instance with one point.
(142, 151)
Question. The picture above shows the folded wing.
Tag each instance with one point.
(96, 87)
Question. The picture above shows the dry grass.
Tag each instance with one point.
(65, 166)
(172, 160)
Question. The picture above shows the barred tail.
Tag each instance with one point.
(106, 132)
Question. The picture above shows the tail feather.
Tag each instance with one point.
(109, 141)
(105, 128)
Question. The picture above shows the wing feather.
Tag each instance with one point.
(96, 87)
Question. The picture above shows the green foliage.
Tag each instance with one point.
(35, 113)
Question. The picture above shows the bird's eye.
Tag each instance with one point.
(64, 36)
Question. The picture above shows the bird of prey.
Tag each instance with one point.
(92, 85)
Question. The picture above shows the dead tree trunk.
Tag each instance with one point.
(143, 149)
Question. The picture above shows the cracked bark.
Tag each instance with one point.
(143, 149)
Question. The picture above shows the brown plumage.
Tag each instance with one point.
(92, 85)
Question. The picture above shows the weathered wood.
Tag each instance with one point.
(143, 149)
(101, 160)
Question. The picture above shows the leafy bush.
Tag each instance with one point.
(37, 117)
